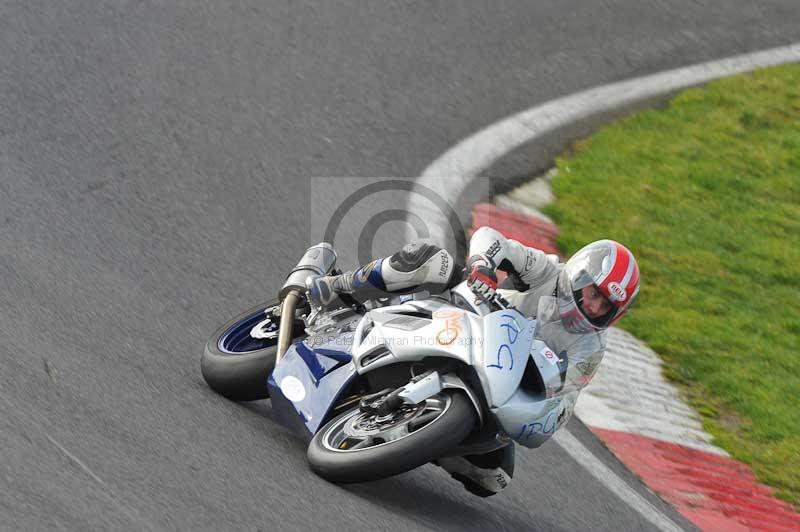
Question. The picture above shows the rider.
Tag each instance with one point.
(573, 303)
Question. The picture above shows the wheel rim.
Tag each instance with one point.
(237, 340)
(357, 431)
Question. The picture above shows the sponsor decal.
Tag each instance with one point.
(293, 389)
(528, 263)
(445, 264)
(452, 326)
(586, 368)
(494, 249)
(551, 357)
(616, 292)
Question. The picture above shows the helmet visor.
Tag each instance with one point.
(597, 265)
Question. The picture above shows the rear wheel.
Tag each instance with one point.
(236, 364)
(360, 446)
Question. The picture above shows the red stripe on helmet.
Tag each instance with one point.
(633, 284)
(616, 276)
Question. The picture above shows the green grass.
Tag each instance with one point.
(706, 192)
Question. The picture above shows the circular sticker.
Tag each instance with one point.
(293, 389)
(617, 292)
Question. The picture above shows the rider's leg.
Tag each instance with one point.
(416, 267)
(482, 474)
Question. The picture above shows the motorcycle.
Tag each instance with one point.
(383, 387)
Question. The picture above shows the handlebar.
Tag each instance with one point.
(496, 301)
(502, 302)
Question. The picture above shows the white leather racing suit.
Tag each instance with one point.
(579, 353)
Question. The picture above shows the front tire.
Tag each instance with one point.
(236, 365)
(360, 447)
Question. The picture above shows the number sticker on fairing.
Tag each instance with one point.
(293, 389)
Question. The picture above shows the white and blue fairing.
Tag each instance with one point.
(309, 380)
(529, 417)
(500, 345)
(565, 362)
(507, 337)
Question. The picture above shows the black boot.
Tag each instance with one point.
(483, 475)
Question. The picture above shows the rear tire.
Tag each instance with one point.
(376, 459)
(237, 366)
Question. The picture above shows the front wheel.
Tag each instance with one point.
(237, 365)
(359, 446)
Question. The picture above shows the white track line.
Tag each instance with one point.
(448, 175)
(609, 479)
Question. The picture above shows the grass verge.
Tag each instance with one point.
(706, 192)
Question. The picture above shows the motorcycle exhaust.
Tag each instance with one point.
(317, 260)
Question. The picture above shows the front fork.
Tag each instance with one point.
(317, 260)
(423, 387)
(285, 333)
(428, 384)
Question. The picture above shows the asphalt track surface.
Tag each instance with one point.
(155, 176)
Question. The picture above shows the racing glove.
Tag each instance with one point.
(481, 278)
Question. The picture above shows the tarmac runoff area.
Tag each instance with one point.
(629, 405)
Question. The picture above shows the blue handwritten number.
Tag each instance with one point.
(511, 328)
(513, 334)
(546, 428)
(499, 353)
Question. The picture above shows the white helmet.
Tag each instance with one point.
(612, 268)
